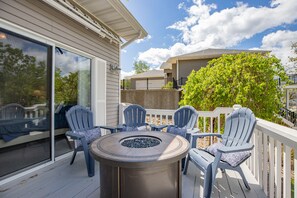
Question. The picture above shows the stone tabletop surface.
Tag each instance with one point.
(108, 149)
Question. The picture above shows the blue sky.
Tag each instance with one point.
(179, 27)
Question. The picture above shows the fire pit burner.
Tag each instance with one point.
(140, 142)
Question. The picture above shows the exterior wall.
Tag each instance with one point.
(39, 17)
(152, 99)
(186, 66)
(174, 71)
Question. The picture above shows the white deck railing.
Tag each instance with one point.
(274, 158)
(35, 111)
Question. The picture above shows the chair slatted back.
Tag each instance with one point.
(185, 117)
(79, 118)
(12, 111)
(135, 116)
(239, 127)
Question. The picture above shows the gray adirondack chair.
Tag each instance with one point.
(185, 120)
(234, 148)
(81, 119)
(135, 116)
(12, 111)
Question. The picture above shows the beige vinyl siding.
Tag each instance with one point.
(186, 66)
(37, 16)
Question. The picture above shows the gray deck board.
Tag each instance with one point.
(62, 180)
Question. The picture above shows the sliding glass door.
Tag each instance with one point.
(26, 80)
(24, 102)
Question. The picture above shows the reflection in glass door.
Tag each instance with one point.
(24, 102)
(72, 87)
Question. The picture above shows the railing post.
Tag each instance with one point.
(287, 172)
(278, 168)
(271, 167)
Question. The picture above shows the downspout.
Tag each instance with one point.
(131, 40)
(177, 72)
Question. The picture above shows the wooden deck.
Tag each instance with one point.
(63, 180)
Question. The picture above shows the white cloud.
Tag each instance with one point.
(280, 43)
(123, 50)
(144, 39)
(156, 56)
(181, 5)
(125, 74)
(204, 27)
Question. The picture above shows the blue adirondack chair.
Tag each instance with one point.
(135, 116)
(185, 119)
(228, 154)
(12, 111)
(80, 121)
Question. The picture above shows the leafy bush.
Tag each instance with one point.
(246, 78)
(169, 85)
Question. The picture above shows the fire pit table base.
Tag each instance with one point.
(151, 170)
(157, 182)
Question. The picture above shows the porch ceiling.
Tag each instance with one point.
(115, 15)
(108, 18)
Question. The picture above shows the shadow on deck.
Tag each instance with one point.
(63, 180)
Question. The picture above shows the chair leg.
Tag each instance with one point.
(185, 170)
(91, 168)
(73, 156)
(88, 158)
(208, 182)
(239, 170)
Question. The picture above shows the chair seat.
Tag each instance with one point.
(201, 158)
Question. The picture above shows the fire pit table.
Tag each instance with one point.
(140, 164)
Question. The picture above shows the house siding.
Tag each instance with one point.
(39, 17)
(187, 66)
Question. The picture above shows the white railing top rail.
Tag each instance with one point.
(286, 135)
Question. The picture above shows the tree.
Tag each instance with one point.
(247, 79)
(140, 67)
(294, 59)
(23, 79)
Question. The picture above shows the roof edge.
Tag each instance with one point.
(125, 13)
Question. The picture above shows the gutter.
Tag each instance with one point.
(131, 40)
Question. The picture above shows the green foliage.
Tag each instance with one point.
(294, 48)
(126, 84)
(23, 80)
(246, 79)
(66, 87)
(169, 85)
(140, 67)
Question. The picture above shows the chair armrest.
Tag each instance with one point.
(233, 149)
(193, 131)
(112, 129)
(157, 128)
(195, 136)
(73, 135)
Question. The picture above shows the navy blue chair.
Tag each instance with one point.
(232, 151)
(135, 116)
(83, 131)
(185, 120)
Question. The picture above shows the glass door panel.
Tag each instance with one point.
(72, 87)
(24, 102)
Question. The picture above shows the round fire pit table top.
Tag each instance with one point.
(110, 149)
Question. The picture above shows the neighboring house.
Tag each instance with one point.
(178, 68)
(152, 79)
(55, 54)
